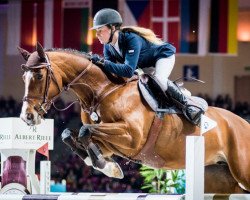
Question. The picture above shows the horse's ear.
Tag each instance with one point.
(24, 53)
(40, 50)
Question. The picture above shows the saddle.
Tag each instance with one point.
(157, 99)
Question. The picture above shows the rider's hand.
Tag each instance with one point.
(97, 60)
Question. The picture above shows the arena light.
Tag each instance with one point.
(90, 32)
(34, 31)
(243, 31)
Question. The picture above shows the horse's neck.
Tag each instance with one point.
(71, 66)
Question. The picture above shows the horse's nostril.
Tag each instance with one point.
(30, 116)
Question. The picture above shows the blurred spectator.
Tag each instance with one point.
(228, 103)
(219, 101)
(209, 100)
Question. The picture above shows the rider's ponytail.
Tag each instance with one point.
(143, 32)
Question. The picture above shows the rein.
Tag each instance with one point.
(43, 107)
(46, 103)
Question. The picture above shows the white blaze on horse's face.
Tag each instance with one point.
(28, 113)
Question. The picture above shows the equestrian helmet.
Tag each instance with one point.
(106, 16)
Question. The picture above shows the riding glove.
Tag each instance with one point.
(97, 60)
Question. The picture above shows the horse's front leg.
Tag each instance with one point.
(69, 138)
(123, 135)
(90, 153)
(121, 138)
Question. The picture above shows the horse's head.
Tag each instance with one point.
(37, 77)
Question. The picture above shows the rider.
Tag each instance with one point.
(128, 48)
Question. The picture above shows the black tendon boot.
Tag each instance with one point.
(93, 151)
(69, 138)
(191, 111)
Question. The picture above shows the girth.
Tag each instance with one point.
(148, 155)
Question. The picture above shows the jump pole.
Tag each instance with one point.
(195, 160)
(194, 168)
(45, 174)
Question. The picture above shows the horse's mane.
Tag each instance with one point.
(71, 51)
(110, 76)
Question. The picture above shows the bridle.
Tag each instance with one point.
(43, 107)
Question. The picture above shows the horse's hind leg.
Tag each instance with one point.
(237, 153)
(218, 179)
(239, 167)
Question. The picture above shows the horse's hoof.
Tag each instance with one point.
(113, 170)
(67, 139)
(66, 134)
(84, 136)
(84, 131)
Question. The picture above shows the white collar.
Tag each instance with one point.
(116, 46)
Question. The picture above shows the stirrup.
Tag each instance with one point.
(196, 120)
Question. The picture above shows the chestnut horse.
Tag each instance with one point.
(126, 119)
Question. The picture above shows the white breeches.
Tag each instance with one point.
(163, 69)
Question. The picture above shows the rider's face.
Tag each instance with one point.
(103, 34)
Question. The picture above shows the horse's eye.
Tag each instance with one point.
(39, 76)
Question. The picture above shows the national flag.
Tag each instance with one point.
(14, 26)
(203, 30)
(44, 150)
(194, 26)
(183, 23)
(165, 20)
(136, 12)
(76, 24)
(189, 26)
(30, 21)
(53, 23)
(162, 16)
(223, 27)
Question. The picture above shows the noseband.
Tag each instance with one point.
(43, 107)
(46, 103)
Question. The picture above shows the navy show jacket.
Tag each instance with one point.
(136, 51)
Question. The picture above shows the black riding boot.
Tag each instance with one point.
(191, 111)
